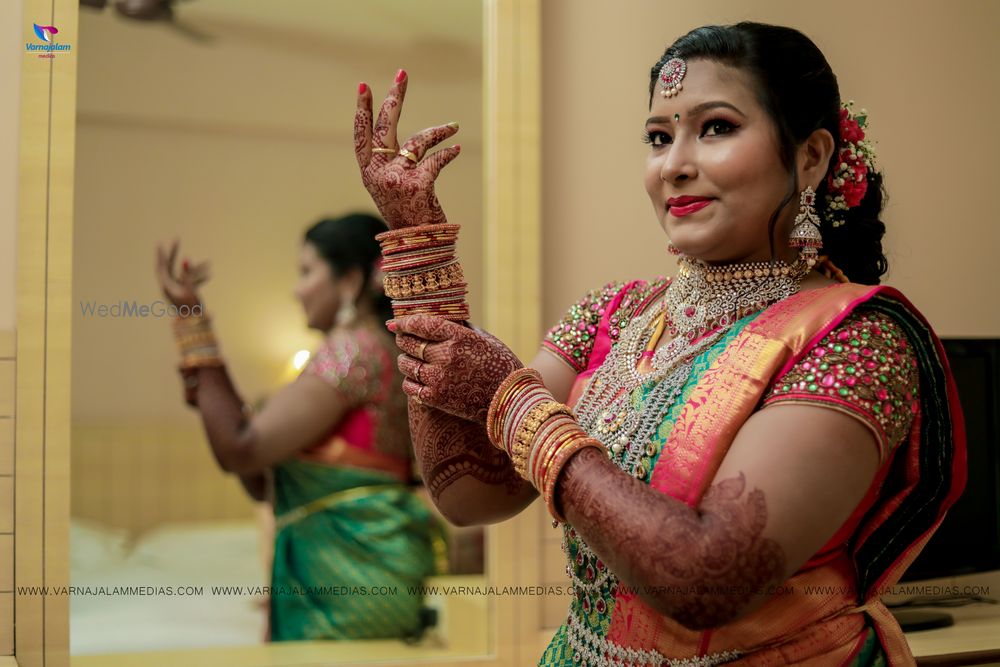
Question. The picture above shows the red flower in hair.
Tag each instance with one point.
(847, 183)
(854, 193)
(850, 130)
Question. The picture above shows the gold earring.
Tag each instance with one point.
(347, 313)
(805, 234)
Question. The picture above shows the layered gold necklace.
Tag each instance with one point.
(704, 297)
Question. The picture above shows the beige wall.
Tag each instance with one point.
(924, 70)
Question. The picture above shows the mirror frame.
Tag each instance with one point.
(512, 239)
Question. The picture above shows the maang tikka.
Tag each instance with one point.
(671, 75)
(805, 234)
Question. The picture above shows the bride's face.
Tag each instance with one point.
(316, 288)
(714, 173)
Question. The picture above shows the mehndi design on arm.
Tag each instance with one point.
(700, 566)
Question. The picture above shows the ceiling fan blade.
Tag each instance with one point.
(191, 32)
(145, 10)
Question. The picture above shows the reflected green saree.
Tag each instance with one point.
(350, 546)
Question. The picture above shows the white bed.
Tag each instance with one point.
(202, 554)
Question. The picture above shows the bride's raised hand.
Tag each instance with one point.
(400, 179)
(180, 288)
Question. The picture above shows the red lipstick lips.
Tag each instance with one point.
(686, 205)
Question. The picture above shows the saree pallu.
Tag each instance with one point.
(829, 614)
(351, 548)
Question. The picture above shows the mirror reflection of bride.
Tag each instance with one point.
(331, 450)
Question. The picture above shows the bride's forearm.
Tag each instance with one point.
(469, 480)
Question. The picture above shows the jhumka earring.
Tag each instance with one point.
(347, 313)
(805, 234)
(671, 75)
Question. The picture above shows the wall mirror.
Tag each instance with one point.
(229, 128)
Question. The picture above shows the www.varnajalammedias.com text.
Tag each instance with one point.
(476, 591)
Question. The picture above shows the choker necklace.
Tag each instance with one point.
(704, 297)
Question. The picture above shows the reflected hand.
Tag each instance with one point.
(451, 367)
(402, 188)
(180, 290)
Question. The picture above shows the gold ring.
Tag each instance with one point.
(420, 350)
(416, 372)
(409, 155)
(419, 392)
(391, 151)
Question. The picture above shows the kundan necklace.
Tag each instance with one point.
(700, 305)
(703, 297)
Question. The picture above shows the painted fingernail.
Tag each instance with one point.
(391, 326)
(400, 75)
(458, 147)
(186, 264)
(362, 88)
(453, 124)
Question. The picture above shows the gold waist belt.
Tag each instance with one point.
(302, 511)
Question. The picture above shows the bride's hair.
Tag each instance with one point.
(348, 242)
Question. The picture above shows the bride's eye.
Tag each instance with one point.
(717, 127)
(655, 138)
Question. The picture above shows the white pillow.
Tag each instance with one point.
(217, 551)
(93, 545)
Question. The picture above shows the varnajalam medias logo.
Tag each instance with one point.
(48, 47)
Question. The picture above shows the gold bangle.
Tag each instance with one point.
(194, 335)
(555, 430)
(524, 443)
(196, 340)
(562, 456)
(497, 411)
(523, 402)
(529, 426)
(542, 454)
(423, 282)
(201, 362)
(188, 322)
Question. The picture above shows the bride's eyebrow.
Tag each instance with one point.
(695, 110)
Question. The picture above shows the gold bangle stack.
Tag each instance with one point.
(560, 455)
(539, 433)
(422, 273)
(501, 402)
(527, 430)
(196, 342)
(420, 282)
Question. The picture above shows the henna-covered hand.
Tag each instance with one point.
(180, 289)
(469, 480)
(702, 567)
(451, 367)
(403, 190)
